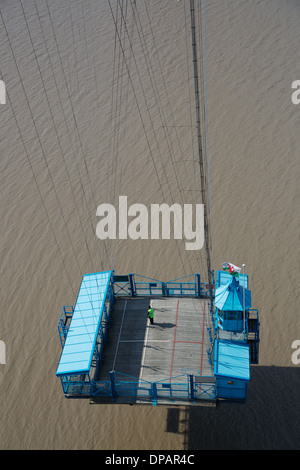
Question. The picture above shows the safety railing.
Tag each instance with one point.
(137, 285)
(184, 387)
(122, 286)
(253, 334)
(203, 388)
(126, 386)
(101, 389)
(74, 387)
(205, 391)
(64, 322)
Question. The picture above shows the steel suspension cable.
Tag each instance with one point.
(156, 94)
(199, 139)
(143, 123)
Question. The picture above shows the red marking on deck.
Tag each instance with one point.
(189, 342)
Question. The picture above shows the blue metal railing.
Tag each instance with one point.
(253, 334)
(63, 323)
(121, 385)
(122, 288)
(137, 285)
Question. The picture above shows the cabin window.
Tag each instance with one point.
(231, 315)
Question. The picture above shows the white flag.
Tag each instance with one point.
(231, 267)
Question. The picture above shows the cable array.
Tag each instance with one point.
(94, 172)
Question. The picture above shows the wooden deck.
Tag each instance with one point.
(174, 346)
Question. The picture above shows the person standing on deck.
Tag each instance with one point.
(151, 314)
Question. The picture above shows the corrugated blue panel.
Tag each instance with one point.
(232, 360)
(79, 347)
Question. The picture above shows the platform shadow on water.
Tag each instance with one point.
(269, 420)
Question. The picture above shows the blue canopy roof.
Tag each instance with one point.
(231, 296)
(232, 359)
(80, 343)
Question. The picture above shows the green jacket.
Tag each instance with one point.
(151, 312)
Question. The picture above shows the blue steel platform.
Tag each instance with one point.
(111, 353)
(168, 362)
